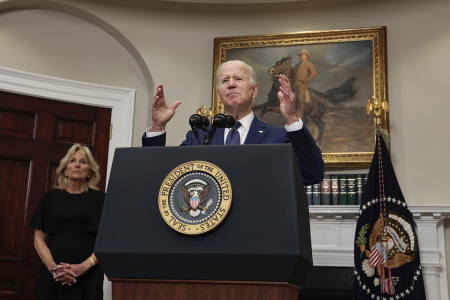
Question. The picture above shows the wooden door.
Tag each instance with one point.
(35, 134)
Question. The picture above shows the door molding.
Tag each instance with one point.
(120, 100)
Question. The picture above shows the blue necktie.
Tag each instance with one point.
(233, 137)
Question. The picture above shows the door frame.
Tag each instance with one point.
(120, 100)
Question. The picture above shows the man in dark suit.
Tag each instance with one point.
(236, 89)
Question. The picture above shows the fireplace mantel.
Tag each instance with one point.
(333, 232)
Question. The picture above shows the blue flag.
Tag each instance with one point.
(387, 262)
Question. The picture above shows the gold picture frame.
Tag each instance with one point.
(351, 69)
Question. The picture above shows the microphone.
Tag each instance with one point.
(199, 121)
(196, 121)
(224, 121)
(220, 121)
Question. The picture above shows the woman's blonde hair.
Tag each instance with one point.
(91, 181)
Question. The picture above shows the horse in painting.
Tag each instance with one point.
(314, 109)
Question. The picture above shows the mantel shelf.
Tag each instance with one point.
(352, 211)
(333, 232)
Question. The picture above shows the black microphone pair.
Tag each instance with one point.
(220, 121)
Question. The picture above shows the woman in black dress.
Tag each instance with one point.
(68, 218)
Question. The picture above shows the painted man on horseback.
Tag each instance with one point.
(306, 72)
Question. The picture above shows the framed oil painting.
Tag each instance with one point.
(346, 69)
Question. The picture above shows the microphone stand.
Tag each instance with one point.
(206, 139)
(195, 131)
(208, 136)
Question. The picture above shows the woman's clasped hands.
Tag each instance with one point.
(68, 274)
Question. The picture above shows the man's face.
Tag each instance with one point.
(235, 90)
(303, 57)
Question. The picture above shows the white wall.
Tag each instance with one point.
(176, 44)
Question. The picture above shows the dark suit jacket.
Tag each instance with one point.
(309, 155)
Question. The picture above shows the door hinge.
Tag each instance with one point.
(110, 131)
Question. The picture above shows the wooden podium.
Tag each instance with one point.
(261, 250)
(125, 289)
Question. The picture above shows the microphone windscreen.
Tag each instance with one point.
(220, 120)
(231, 121)
(224, 121)
(195, 121)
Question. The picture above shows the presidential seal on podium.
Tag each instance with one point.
(195, 197)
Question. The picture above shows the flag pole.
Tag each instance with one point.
(379, 107)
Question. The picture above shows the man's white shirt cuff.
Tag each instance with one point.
(294, 126)
(149, 133)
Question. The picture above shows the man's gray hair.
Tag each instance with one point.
(250, 71)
